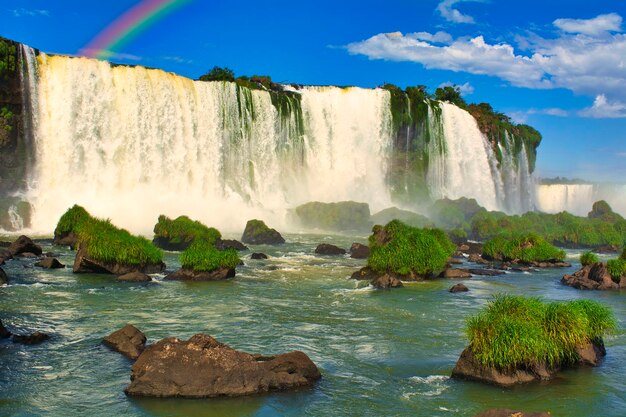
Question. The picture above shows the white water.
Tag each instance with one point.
(132, 143)
(579, 198)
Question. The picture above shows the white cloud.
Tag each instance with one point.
(439, 37)
(465, 89)
(599, 25)
(448, 12)
(584, 64)
(603, 108)
(178, 59)
(30, 12)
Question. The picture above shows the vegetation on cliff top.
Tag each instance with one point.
(343, 215)
(184, 230)
(526, 248)
(104, 242)
(202, 256)
(8, 59)
(405, 249)
(515, 331)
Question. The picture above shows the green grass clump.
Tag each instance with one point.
(526, 248)
(184, 230)
(617, 268)
(202, 256)
(623, 255)
(407, 249)
(514, 331)
(106, 243)
(589, 258)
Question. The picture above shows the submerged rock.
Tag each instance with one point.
(458, 288)
(592, 277)
(134, 277)
(359, 251)
(364, 274)
(203, 367)
(257, 233)
(505, 412)
(50, 263)
(386, 281)
(24, 244)
(223, 244)
(30, 339)
(185, 274)
(468, 367)
(258, 255)
(128, 341)
(85, 264)
(327, 249)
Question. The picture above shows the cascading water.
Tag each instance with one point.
(130, 143)
(579, 198)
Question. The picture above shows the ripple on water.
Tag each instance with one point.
(429, 386)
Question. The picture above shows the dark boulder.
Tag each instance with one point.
(50, 263)
(30, 339)
(128, 341)
(134, 277)
(83, 263)
(591, 277)
(607, 249)
(458, 288)
(166, 243)
(4, 333)
(257, 233)
(386, 281)
(203, 367)
(365, 274)
(476, 258)
(24, 244)
(223, 244)
(470, 248)
(546, 264)
(326, 249)
(505, 412)
(455, 273)
(258, 255)
(359, 251)
(5, 254)
(468, 367)
(184, 274)
(3, 277)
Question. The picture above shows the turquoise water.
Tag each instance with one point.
(381, 353)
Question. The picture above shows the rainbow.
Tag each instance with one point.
(128, 26)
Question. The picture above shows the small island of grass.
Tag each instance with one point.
(516, 339)
(102, 247)
(201, 261)
(530, 249)
(180, 233)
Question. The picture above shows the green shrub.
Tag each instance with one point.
(184, 230)
(218, 74)
(104, 242)
(407, 249)
(616, 267)
(526, 248)
(202, 256)
(515, 331)
(588, 258)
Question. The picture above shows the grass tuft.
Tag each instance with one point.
(527, 248)
(514, 331)
(184, 230)
(202, 256)
(589, 258)
(617, 268)
(407, 249)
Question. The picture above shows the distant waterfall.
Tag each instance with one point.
(579, 198)
(130, 143)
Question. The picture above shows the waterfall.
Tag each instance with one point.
(579, 198)
(130, 143)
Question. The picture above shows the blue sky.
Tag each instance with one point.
(559, 65)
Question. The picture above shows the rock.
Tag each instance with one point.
(458, 288)
(478, 259)
(607, 249)
(27, 255)
(50, 263)
(134, 277)
(3, 277)
(24, 244)
(203, 367)
(364, 274)
(257, 233)
(83, 263)
(467, 367)
(184, 274)
(455, 273)
(258, 255)
(463, 248)
(591, 277)
(223, 244)
(505, 412)
(547, 264)
(4, 333)
(359, 251)
(30, 339)
(455, 261)
(386, 281)
(66, 239)
(326, 249)
(486, 272)
(128, 341)
(5, 254)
